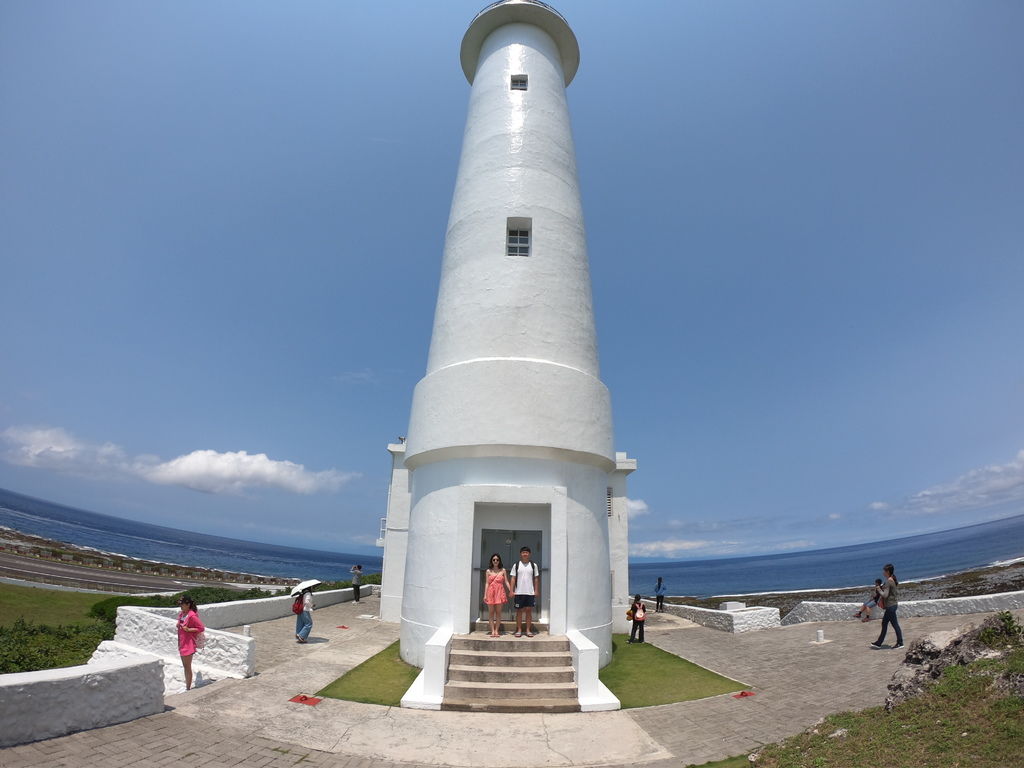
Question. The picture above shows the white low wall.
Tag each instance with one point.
(239, 612)
(594, 696)
(427, 690)
(154, 631)
(55, 702)
(739, 620)
(950, 606)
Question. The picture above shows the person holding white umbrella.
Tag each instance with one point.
(303, 608)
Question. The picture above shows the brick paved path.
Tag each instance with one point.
(250, 723)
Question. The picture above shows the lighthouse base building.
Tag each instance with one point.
(510, 436)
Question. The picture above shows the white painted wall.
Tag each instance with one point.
(55, 702)
(396, 537)
(618, 541)
(566, 501)
(951, 606)
(742, 620)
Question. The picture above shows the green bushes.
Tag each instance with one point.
(27, 647)
(107, 609)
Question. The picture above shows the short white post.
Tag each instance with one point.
(821, 635)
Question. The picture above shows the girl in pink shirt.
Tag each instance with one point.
(189, 626)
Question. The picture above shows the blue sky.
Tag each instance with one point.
(221, 228)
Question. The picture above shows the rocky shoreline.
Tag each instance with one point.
(27, 545)
(981, 581)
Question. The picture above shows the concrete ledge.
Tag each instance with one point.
(427, 690)
(55, 702)
(239, 612)
(593, 695)
(949, 606)
(739, 620)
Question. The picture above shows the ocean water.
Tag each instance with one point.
(915, 557)
(172, 545)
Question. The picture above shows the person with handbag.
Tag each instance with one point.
(190, 630)
(639, 615)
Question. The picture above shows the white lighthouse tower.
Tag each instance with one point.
(510, 435)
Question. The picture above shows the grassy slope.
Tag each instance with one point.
(45, 606)
(643, 675)
(961, 721)
(381, 679)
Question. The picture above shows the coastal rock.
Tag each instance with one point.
(929, 655)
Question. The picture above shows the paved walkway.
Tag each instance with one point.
(252, 723)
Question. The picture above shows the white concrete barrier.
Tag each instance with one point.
(594, 696)
(739, 620)
(55, 702)
(950, 606)
(427, 690)
(239, 612)
(154, 631)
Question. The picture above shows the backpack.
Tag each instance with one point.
(297, 605)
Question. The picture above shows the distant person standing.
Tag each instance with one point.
(525, 579)
(888, 592)
(189, 627)
(357, 579)
(659, 596)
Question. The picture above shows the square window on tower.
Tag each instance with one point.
(518, 243)
(519, 82)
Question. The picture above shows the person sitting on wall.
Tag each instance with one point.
(525, 577)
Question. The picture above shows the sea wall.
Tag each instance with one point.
(737, 620)
(949, 606)
(55, 702)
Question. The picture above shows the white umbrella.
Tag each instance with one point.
(304, 585)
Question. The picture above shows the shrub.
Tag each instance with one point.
(27, 647)
(106, 610)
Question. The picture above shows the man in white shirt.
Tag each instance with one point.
(526, 588)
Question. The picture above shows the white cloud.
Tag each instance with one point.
(55, 449)
(234, 471)
(835, 516)
(981, 488)
(666, 547)
(878, 505)
(636, 507)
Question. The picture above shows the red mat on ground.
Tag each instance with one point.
(743, 694)
(341, 626)
(304, 699)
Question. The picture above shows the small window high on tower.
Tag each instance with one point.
(518, 243)
(519, 82)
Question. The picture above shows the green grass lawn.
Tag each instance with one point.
(45, 606)
(381, 679)
(642, 675)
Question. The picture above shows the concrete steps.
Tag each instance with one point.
(510, 674)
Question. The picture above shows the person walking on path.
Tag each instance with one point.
(357, 579)
(888, 592)
(189, 627)
(304, 619)
(639, 615)
(659, 596)
(525, 577)
(496, 594)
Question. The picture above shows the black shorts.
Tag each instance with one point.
(525, 601)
